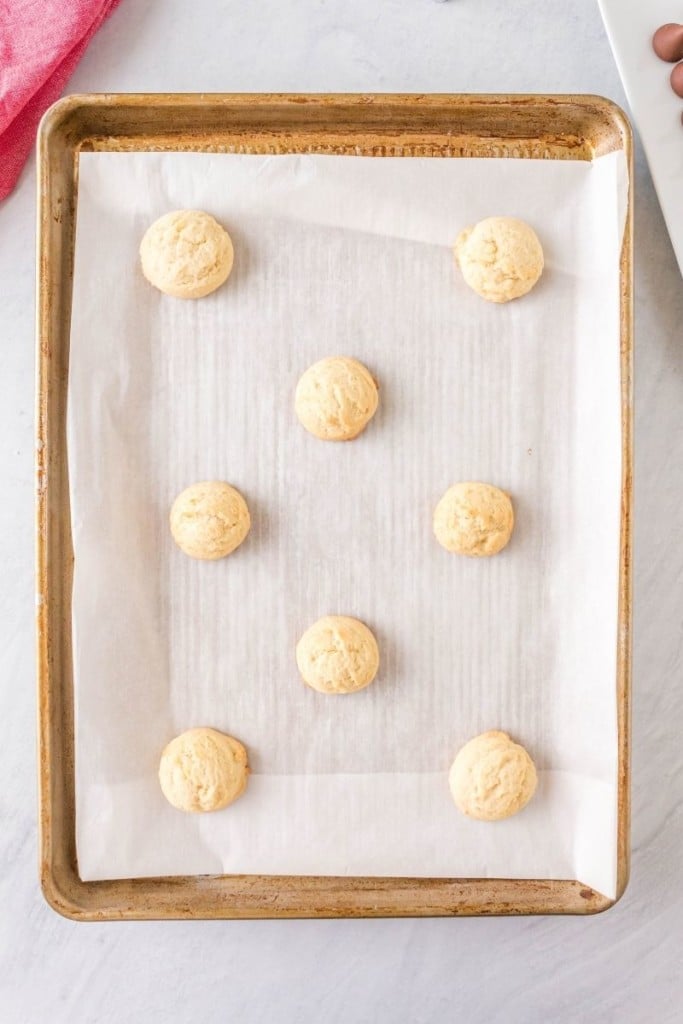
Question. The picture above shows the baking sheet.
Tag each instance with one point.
(347, 255)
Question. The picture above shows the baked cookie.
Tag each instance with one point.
(336, 398)
(186, 253)
(209, 519)
(492, 777)
(474, 519)
(500, 258)
(203, 770)
(337, 654)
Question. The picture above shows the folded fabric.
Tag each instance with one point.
(41, 42)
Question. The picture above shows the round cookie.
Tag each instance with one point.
(667, 42)
(203, 770)
(337, 654)
(677, 80)
(500, 258)
(492, 777)
(474, 519)
(186, 253)
(336, 398)
(209, 519)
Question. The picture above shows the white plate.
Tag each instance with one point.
(656, 109)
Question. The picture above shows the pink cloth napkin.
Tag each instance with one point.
(41, 42)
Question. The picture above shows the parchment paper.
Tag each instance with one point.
(347, 255)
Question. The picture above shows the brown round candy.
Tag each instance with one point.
(677, 80)
(667, 42)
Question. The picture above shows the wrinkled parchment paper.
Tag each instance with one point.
(347, 255)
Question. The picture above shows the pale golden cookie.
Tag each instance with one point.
(203, 770)
(336, 398)
(337, 654)
(186, 253)
(474, 519)
(500, 258)
(492, 777)
(209, 519)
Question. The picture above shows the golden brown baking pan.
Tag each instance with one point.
(507, 127)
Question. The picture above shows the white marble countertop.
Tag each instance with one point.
(624, 965)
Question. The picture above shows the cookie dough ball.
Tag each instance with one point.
(500, 258)
(337, 655)
(203, 770)
(209, 520)
(492, 777)
(474, 519)
(187, 254)
(336, 398)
